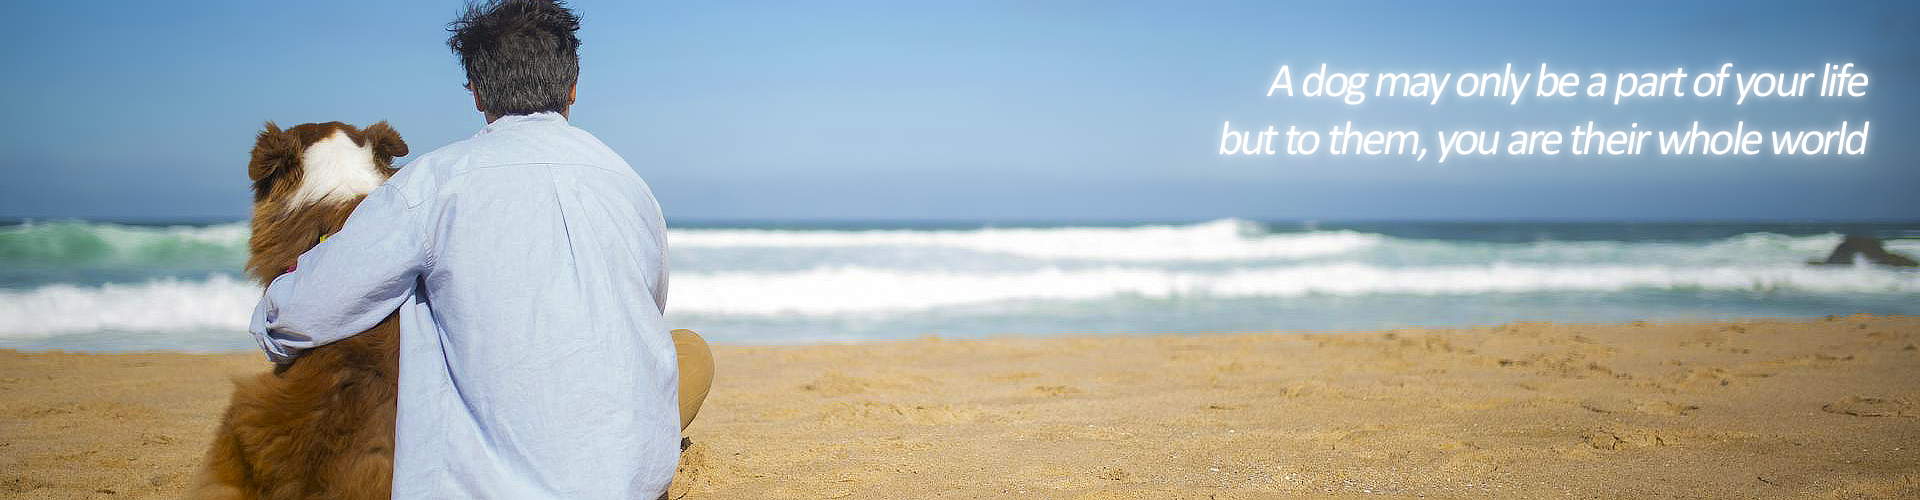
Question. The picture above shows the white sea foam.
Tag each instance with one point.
(232, 233)
(856, 289)
(218, 303)
(1220, 240)
(780, 273)
(225, 303)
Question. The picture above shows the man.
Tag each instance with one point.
(528, 265)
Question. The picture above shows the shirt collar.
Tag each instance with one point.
(511, 121)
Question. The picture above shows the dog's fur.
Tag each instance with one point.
(321, 427)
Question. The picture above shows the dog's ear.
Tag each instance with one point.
(387, 143)
(274, 151)
(274, 154)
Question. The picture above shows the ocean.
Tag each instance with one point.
(116, 287)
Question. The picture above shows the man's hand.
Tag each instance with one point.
(282, 366)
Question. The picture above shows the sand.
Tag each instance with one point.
(1748, 409)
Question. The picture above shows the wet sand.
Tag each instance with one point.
(1742, 409)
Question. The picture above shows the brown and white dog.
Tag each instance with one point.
(321, 427)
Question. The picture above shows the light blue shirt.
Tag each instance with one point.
(528, 265)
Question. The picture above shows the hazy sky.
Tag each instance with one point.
(968, 110)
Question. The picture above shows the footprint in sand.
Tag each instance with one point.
(691, 472)
(1616, 438)
(864, 412)
(836, 384)
(1647, 407)
(1872, 407)
(1055, 390)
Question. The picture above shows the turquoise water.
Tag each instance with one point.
(94, 286)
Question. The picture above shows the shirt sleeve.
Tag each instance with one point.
(347, 283)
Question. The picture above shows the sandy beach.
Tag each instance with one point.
(1746, 409)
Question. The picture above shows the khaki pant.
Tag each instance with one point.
(696, 373)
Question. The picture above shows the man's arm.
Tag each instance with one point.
(347, 283)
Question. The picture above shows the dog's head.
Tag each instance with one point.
(306, 180)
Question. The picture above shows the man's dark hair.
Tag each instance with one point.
(521, 56)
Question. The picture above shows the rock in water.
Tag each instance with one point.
(1869, 247)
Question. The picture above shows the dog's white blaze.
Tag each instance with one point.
(335, 170)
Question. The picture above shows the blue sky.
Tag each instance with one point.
(1001, 111)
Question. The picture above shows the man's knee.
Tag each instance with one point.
(696, 372)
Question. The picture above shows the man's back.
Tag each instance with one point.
(528, 268)
(534, 360)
